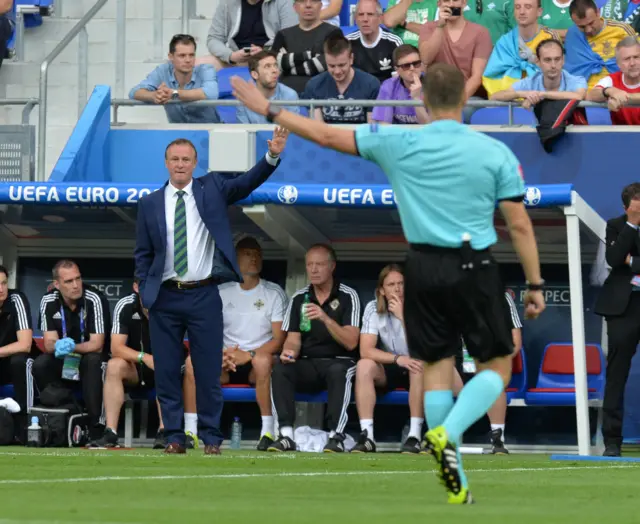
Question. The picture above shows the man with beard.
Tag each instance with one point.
(264, 70)
(621, 88)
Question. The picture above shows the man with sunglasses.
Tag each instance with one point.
(180, 79)
(406, 85)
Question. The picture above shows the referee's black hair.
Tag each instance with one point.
(4, 270)
(331, 252)
(443, 88)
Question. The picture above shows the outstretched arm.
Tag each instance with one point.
(342, 140)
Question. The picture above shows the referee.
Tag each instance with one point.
(447, 178)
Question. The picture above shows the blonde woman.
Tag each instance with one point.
(385, 363)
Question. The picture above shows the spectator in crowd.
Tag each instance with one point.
(556, 15)
(627, 11)
(496, 17)
(452, 40)
(342, 82)
(498, 412)
(300, 47)
(406, 85)
(372, 46)
(180, 79)
(74, 320)
(242, 28)
(330, 12)
(385, 362)
(323, 328)
(405, 17)
(621, 88)
(7, 23)
(263, 68)
(16, 349)
(552, 82)
(252, 313)
(514, 56)
(131, 363)
(591, 42)
(619, 303)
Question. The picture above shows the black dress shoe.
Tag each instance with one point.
(612, 450)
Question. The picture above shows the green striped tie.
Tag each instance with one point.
(180, 261)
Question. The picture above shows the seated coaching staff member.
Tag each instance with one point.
(320, 356)
(16, 345)
(79, 314)
(183, 251)
(131, 363)
(619, 303)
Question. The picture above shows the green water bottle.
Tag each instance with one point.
(468, 364)
(305, 322)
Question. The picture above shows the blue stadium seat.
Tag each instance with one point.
(500, 116)
(228, 114)
(518, 384)
(348, 29)
(556, 384)
(6, 391)
(598, 116)
(224, 80)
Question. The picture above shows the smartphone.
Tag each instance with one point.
(247, 50)
(456, 11)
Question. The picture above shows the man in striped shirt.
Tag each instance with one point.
(465, 366)
(74, 320)
(323, 329)
(16, 347)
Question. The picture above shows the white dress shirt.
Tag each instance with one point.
(200, 244)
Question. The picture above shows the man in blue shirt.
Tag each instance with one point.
(552, 82)
(7, 22)
(447, 178)
(181, 80)
(341, 81)
(263, 67)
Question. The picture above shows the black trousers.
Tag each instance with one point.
(47, 369)
(623, 334)
(312, 376)
(5, 34)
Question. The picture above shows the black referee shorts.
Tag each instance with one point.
(443, 302)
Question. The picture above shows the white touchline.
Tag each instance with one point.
(229, 476)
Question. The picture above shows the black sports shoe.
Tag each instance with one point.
(282, 445)
(335, 444)
(160, 442)
(412, 446)
(364, 444)
(497, 444)
(109, 439)
(612, 450)
(265, 441)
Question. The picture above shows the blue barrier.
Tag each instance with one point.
(121, 195)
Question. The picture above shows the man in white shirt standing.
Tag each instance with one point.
(252, 313)
(184, 250)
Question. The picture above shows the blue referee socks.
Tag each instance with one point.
(474, 401)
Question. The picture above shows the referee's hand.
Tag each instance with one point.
(533, 304)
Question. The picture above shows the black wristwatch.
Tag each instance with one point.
(535, 287)
(395, 359)
(272, 112)
(604, 92)
(252, 354)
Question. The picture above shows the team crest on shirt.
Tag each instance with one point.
(334, 304)
(607, 48)
(259, 304)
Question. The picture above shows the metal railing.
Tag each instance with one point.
(28, 103)
(313, 104)
(83, 65)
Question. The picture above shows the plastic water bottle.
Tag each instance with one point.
(305, 322)
(405, 434)
(236, 433)
(468, 364)
(34, 434)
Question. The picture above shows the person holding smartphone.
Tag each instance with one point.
(453, 40)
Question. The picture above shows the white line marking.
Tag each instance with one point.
(227, 476)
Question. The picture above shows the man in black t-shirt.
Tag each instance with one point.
(373, 46)
(131, 364)
(75, 320)
(319, 351)
(341, 82)
(16, 349)
(300, 48)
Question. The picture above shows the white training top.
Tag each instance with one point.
(388, 327)
(247, 315)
